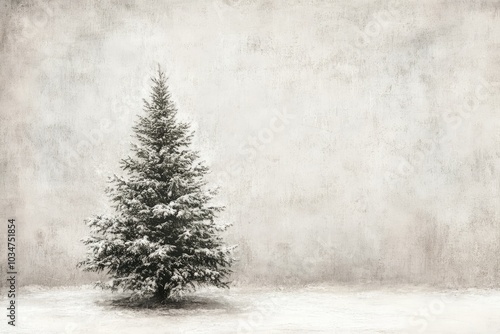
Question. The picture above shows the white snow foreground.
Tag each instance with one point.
(316, 309)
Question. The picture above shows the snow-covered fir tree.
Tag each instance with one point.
(162, 238)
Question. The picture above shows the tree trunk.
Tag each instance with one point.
(162, 294)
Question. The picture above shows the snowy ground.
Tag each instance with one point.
(317, 309)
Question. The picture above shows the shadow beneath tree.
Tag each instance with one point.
(187, 303)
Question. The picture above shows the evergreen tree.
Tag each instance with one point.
(162, 238)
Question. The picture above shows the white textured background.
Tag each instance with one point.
(387, 169)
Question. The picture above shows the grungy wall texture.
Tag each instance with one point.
(353, 140)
